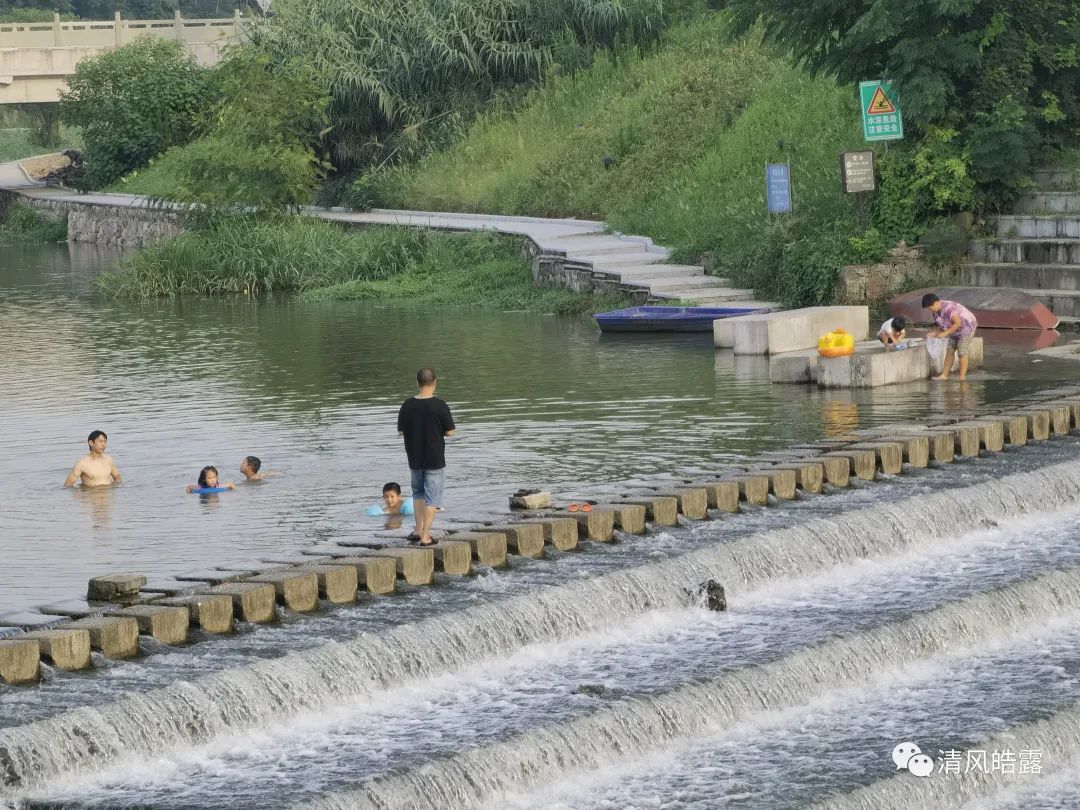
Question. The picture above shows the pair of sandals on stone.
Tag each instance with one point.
(415, 538)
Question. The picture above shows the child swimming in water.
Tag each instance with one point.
(208, 479)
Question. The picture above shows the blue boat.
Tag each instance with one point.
(668, 319)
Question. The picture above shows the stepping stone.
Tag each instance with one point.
(1038, 423)
(596, 525)
(629, 517)
(1060, 419)
(453, 557)
(112, 636)
(889, 455)
(30, 620)
(488, 548)
(1073, 404)
(338, 584)
(534, 500)
(65, 649)
(693, 502)
(254, 602)
(114, 586)
(916, 449)
(415, 565)
(168, 587)
(722, 495)
(215, 576)
(836, 471)
(661, 510)
(521, 538)
(213, 613)
(169, 625)
(809, 475)
(1014, 427)
(753, 487)
(863, 463)
(376, 575)
(991, 433)
(77, 608)
(560, 532)
(782, 483)
(19, 660)
(298, 590)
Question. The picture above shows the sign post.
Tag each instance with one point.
(881, 116)
(778, 187)
(857, 176)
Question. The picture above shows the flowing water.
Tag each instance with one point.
(941, 607)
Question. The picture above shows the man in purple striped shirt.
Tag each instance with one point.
(955, 322)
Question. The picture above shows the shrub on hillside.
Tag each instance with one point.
(132, 104)
(1003, 75)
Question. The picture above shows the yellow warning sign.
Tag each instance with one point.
(880, 104)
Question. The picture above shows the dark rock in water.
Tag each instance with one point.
(594, 689)
(712, 593)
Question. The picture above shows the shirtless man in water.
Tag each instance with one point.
(95, 469)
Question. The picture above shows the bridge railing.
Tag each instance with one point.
(118, 31)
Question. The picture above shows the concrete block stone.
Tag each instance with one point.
(297, 589)
(991, 433)
(112, 636)
(753, 487)
(337, 583)
(629, 517)
(1038, 423)
(916, 449)
(64, 648)
(414, 565)
(212, 613)
(19, 660)
(114, 586)
(254, 602)
(863, 463)
(598, 525)
(693, 502)
(809, 475)
(661, 510)
(488, 548)
(532, 500)
(722, 495)
(791, 330)
(453, 557)
(889, 455)
(524, 539)
(560, 532)
(376, 575)
(1014, 427)
(167, 624)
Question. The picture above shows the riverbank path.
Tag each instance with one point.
(633, 264)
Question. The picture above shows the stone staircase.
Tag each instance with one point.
(1036, 248)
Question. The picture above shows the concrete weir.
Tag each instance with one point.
(123, 606)
(790, 330)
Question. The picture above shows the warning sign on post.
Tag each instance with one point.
(857, 171)
(881, 117)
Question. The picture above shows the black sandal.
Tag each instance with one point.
(413, 538)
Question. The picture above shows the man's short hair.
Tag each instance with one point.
(94, 434)
(393, 486)
(899, 323)
(928, 300)
(253, 462)
(425, 376)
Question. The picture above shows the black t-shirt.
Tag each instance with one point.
(425, 422)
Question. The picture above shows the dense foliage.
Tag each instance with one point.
(134, 103)
(1004, 75)
(36, 10)
(404, 75)
(258, 147)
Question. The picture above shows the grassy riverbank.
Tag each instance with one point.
(23, 223)
(325, 262)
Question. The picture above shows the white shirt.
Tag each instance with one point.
(886, 328)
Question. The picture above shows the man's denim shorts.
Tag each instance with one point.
(428, 485)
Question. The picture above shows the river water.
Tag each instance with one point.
(858, 620)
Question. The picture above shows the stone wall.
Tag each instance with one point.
(118, 226)
(870, 283)
(553, 268)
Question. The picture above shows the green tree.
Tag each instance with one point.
(260, 137)
(404, 75)
(133, 103)
(1004, 74)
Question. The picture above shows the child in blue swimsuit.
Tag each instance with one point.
(392, 502)
(208, 482)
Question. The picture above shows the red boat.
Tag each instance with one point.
(993, 307)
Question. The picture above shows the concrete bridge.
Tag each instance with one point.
(37, 58)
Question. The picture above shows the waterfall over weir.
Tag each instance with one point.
(630, 728)
(252, 696)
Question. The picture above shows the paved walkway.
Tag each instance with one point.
(632, 263)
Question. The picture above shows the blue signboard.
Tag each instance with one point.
(778, 187)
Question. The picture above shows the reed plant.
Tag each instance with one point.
(25, 224)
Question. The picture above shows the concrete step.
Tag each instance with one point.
(651, 271)
(1055, 179)
(1063, 303)
(602, 261)
(675, 283)
(705, 297)
(1041, 202)
(1034, 251)
(573, 246)
(1023, 276)
(1040, 226)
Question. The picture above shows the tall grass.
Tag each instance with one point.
(326, 262)
(671, 144)
(25, 224)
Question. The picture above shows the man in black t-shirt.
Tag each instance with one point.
(425, 422)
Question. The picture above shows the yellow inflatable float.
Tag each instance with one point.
(837, 343)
